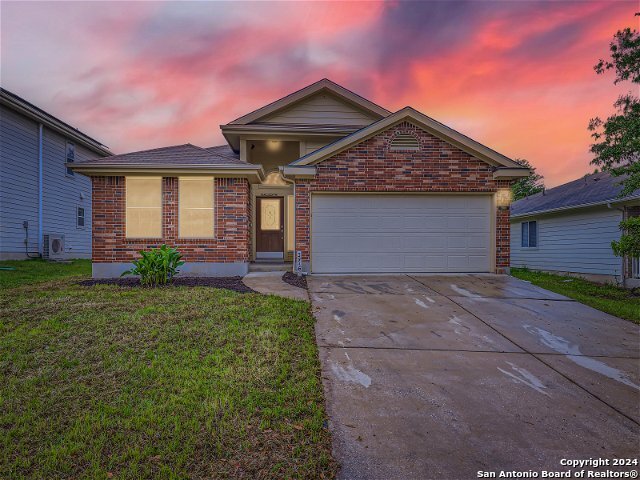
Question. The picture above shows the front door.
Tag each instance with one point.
(270, 227)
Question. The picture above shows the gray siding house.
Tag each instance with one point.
(569, 229)
(45, 208)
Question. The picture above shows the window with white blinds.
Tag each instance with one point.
(196, 207)
(143, 207)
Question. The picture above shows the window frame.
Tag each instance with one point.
(126, 206)
(525, 239)
(69, 159)
(213, 207)
(83, 216)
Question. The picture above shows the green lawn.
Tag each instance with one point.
(617, 301)
(111, 382)
(35, 271)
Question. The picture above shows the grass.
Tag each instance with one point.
(111, 382)
(36, 271)
(621, 302)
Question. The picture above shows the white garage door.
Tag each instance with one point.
(400, 233)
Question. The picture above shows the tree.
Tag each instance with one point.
(617, 139)
(524, 187)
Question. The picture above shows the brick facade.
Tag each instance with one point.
(232, 228)
(370, 167)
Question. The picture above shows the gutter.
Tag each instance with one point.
(574, 207)
(255, 173)
(299, 171)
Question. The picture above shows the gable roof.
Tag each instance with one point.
(322, 85)
(22, 106)
(428, 124)
(590, 190)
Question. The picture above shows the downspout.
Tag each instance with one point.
(40, 189)
(293, 261)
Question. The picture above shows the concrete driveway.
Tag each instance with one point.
(442, 376)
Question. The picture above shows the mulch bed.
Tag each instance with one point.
(230, 283)
(294, 279)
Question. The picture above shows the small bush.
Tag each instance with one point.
(156, 267)
(629, 244)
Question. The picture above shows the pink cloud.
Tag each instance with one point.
(515, 76)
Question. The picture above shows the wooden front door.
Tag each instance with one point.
(270, 225)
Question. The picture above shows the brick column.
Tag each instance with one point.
(503, 240)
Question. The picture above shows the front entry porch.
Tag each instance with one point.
(272, 220)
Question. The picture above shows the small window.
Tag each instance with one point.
(404, 142)
(529, 234)
(80, 217)
(71, 157)
(143, 199)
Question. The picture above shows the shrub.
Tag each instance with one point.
(156, 267)
(629, 244)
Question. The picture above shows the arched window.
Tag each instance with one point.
(404, 142)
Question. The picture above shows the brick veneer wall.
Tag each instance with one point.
(232, 229)
(370, 167)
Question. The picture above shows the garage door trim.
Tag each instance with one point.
(492, 220)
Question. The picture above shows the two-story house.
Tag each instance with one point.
(322, 178)
(45, 207)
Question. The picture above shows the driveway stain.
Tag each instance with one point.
(573, 353)
(525, 377)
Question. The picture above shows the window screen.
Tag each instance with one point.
(144, 207)
(529, 234)
(196, 207)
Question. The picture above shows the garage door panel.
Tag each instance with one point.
(400, 233)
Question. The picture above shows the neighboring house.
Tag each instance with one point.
(323, 178)
(569, 229)
(45, 207)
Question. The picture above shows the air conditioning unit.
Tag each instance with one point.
(53, 247)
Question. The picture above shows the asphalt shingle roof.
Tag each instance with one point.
(186, 154)
(590, 189)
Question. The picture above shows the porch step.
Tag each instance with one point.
(269, 266)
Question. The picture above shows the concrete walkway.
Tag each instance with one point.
(271, 283)
(443, 376)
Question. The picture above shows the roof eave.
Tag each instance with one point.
(54, 124)
(507, 173)
(298, 172)
(255, 173)
(633, 200)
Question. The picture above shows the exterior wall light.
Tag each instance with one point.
(274, 145)
(504, 197)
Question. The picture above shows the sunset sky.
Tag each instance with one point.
(516, 76)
